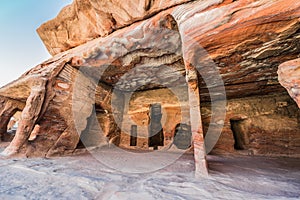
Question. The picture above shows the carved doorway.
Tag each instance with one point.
(156, 135)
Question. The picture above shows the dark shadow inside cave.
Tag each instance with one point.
(240, 135)
(133, 135)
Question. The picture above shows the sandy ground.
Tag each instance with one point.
(84, 177)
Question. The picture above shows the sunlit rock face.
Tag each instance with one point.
(289, 77)
(246, 39)
(83, 91)
(114, 60)
(85, 20)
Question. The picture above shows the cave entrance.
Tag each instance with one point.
(100, 129)
(156, 135)
(154, 88)
(240, 134)
(183, 136)
(150, 117)
(11, 125)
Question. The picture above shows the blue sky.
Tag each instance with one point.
(20, 46)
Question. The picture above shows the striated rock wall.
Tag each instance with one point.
(247, 39)
(175, 110)
(85, 20)
(260, 125)
(82, 80)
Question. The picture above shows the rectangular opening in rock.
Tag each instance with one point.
(156, 135)
(133, 135)
(241, 138)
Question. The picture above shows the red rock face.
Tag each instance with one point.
(246, 39)
(289, 77)
(127, 43)
(258, 125)
(85, 20)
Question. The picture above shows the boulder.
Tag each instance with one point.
(289, 77)
(85, 20)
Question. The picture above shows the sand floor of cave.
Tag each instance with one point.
(84, 177)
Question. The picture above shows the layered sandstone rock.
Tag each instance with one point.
(93, 94)
(244, 38)
(289, 77)
(258, 125)
(82, 83)
(85, 20)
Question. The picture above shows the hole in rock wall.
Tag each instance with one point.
(100, 129)
(150, 119)
(133, 135)
(183, 136)
(240, 134)
(156, 135)
(149, 78)
(260, 125)
(12, 126)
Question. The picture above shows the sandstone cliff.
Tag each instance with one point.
(85, 20)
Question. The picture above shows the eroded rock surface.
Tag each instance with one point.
(96, 19)
(85, 94)
(289, 77)
(259, 125)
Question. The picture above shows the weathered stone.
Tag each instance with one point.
(96, 19)
(289, 77)
(29, 116)
(76, 89)
(270, 123)
(137, 111)
(183, 136)
(92, 93)
(246, 39)
(8, 109)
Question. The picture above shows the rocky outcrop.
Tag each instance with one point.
(244, 39)
(190, 53)
(289, 77)
(258, 125)
(85, 20)
(82, 82)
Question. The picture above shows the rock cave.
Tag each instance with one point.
(144, 79)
